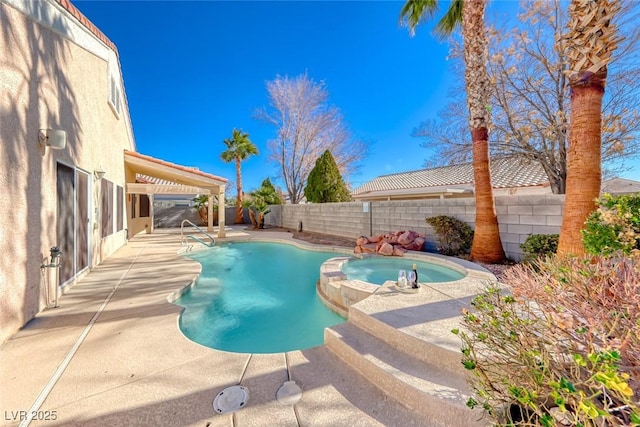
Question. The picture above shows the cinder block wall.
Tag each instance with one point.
(518, 217)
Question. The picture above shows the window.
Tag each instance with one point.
(106, 189)
(114, 96)
(144, 206)
(119, 207)
(133, 205)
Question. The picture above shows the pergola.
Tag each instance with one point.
(175, 180)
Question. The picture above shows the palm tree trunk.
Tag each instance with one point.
(584, 174)
(252, 217)
(590, 42)
(239, 216)
(487, 246)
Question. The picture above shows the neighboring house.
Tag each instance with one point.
(510, 177)
(620, 186)
(68, 156)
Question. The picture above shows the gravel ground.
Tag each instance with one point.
(497, 269)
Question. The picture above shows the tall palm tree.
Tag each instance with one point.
(239, 147)
(589, 43)
(487, 245)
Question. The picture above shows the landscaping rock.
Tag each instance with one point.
(369, 248)
(396, 243)
(398, 251)
(361, 241)
(385, 249)
(375, 239)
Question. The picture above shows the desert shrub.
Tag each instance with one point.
(562, 349)
(455, 237)
(539, 245)
(614, 226)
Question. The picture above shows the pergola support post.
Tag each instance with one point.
(210, 213)
(221, 219)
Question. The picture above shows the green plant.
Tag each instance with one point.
(614, 226)
(259, 201)
(562, 349)
(325, 183)
(455, 237)
(539, 245)
(200, 204)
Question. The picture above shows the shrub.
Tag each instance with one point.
(455, 236)
(564, 349)
(539, 245)
(614, 226)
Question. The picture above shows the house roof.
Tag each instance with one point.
(619, 185)
(159, 176)
(66, 4)
(505, 173)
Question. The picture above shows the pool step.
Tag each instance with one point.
(420, 386)
(419, 325)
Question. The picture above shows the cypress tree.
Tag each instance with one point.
(325, 183)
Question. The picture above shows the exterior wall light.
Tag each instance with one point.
(56, 139)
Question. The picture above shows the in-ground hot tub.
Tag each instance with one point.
(347, 280)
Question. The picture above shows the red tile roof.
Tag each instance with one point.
(174, 166)
(66, 4)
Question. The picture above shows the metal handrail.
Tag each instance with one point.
(183, 237)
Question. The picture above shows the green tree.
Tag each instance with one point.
(325, 183)
(239, 147)
(487, 246)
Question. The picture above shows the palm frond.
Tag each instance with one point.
(415, 12)
(451, 20)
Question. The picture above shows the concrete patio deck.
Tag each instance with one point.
(112, 354)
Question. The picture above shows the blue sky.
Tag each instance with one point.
(194, 70)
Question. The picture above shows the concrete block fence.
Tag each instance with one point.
(518, 217)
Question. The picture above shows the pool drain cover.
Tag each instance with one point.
(231, 399)
(289, 393)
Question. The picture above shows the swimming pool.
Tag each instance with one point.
(257, 298)
(377, 270)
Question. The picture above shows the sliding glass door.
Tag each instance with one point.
(72, 227)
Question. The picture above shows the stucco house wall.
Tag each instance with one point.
(57, 71)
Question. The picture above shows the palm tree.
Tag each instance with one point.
(239, 147)
(487, 246)
(589, 43)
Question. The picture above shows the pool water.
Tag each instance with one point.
(257, 298)
(377, 270)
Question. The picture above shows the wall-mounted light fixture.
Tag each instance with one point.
(99, 173)
(56, 139)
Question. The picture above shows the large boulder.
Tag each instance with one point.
(398, 251)
(369, 248)
(361, 241)
(407, 237)
(375, 239)
(385, 249)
